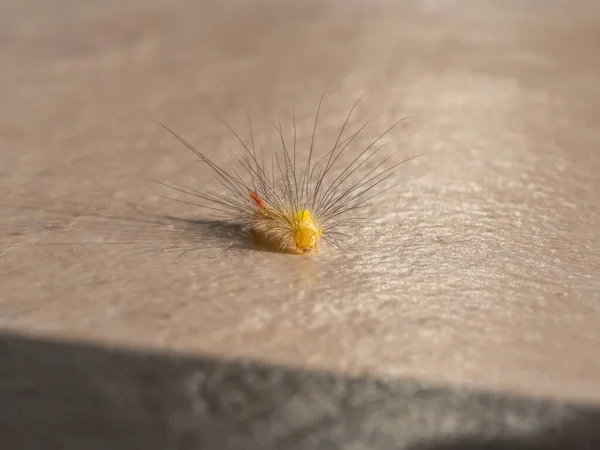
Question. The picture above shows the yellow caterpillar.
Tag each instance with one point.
(292, 207)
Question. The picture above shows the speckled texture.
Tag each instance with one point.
(481, 268)
(78, 397)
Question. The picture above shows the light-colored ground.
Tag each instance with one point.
(481, 268)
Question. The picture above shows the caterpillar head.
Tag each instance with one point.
(306, 231)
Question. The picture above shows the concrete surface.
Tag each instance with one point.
(481, 269)
(84, 397)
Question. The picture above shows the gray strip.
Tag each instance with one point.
(64, 396)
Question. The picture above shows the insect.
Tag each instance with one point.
(292, 205)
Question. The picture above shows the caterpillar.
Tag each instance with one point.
(294, 206)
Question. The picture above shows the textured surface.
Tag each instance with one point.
(482, 268)
(76, 397)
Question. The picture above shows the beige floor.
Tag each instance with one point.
(482, 267)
